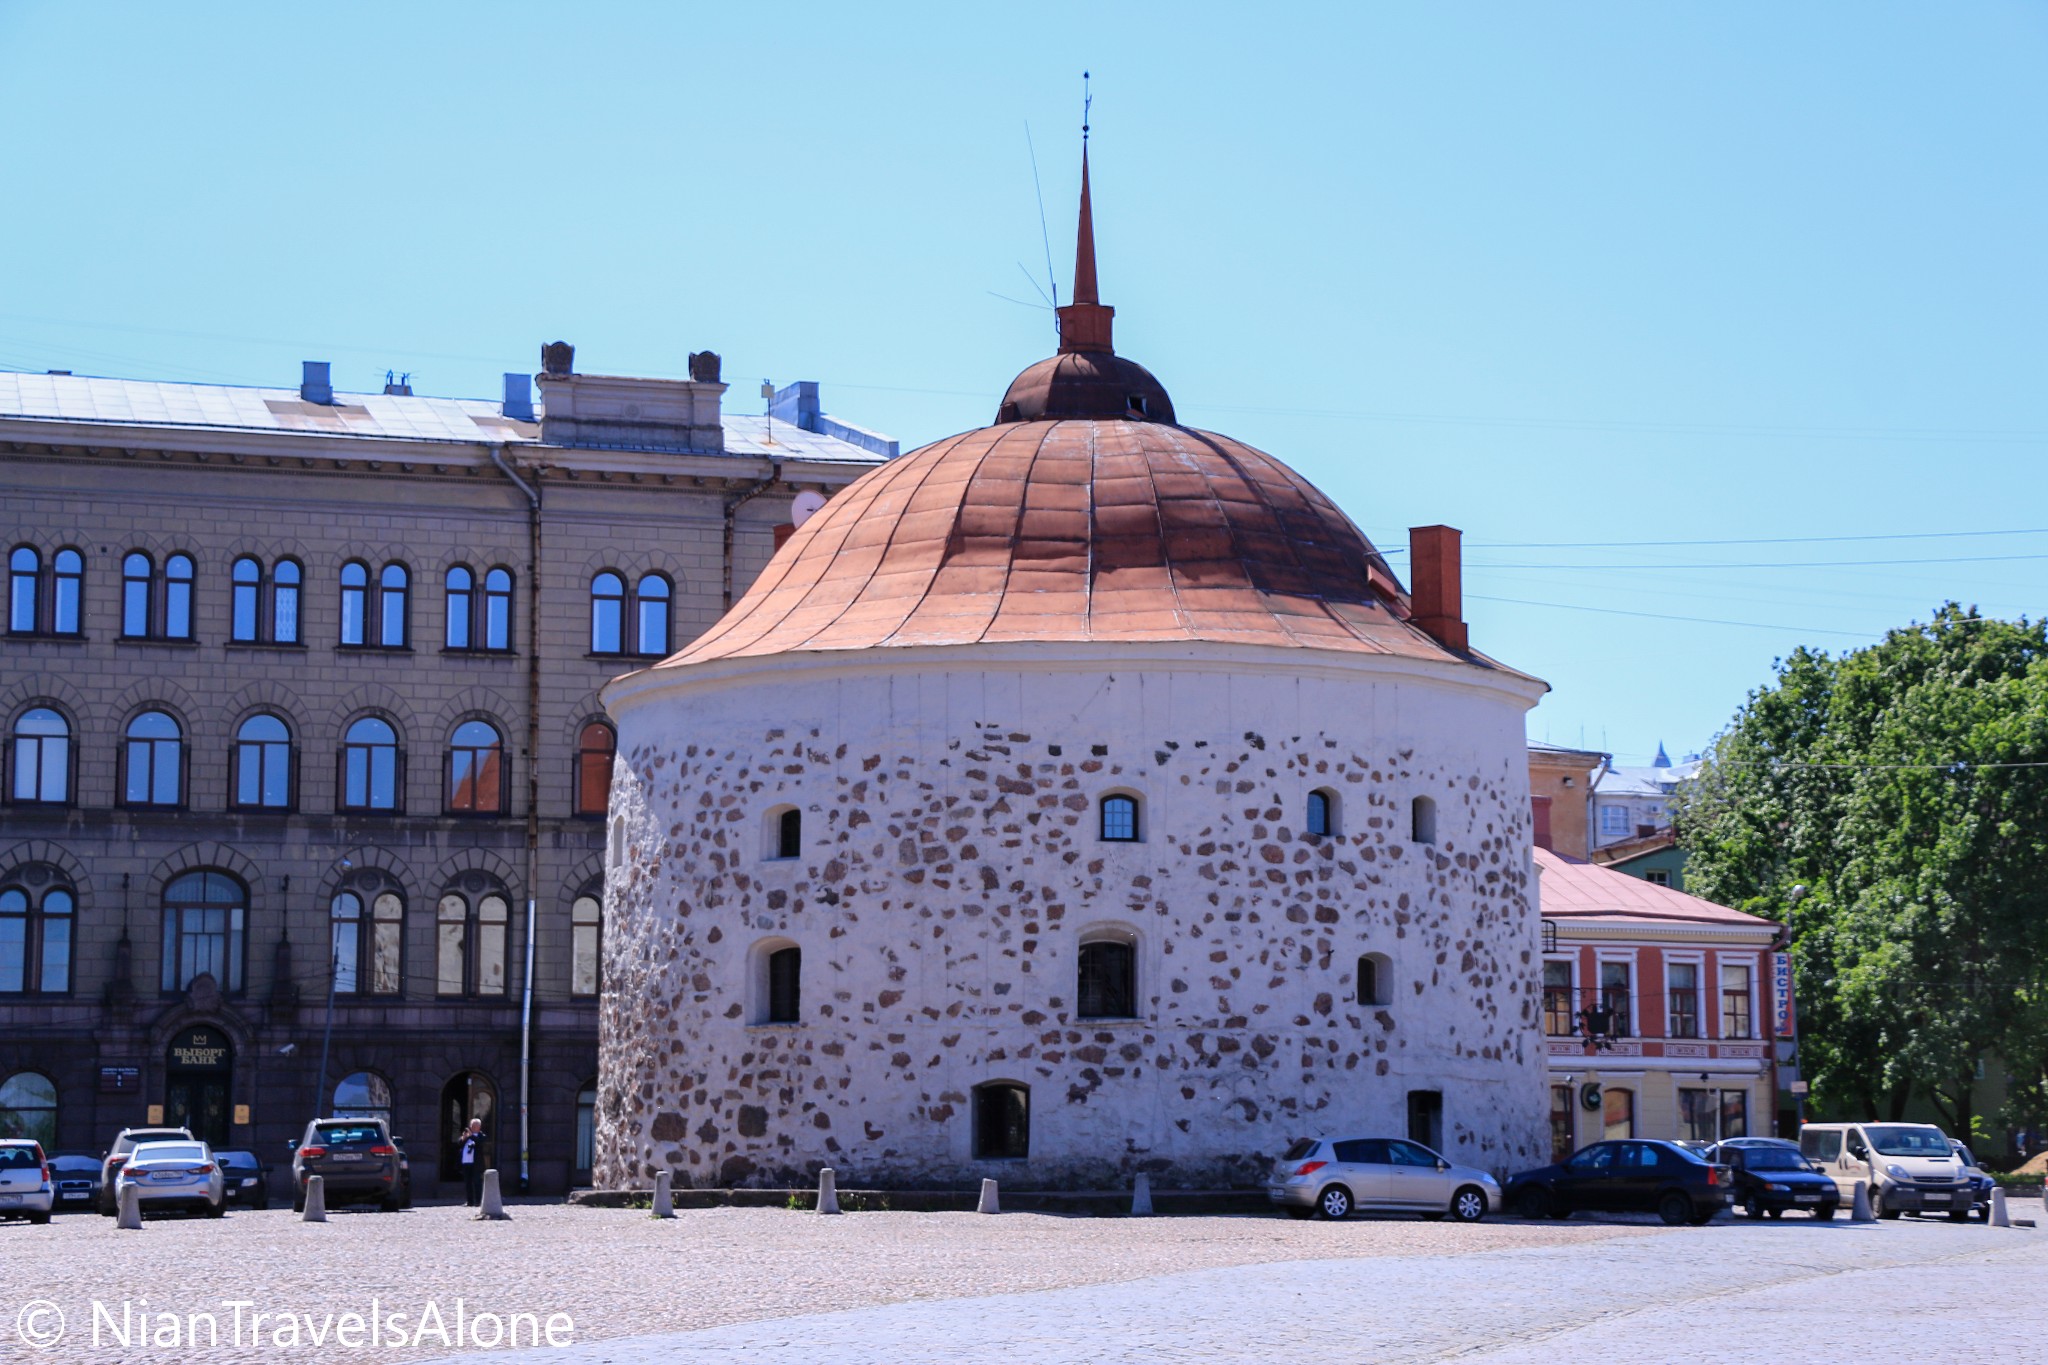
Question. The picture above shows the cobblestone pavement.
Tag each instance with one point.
(778, 1286)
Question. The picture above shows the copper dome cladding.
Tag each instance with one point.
(1084, 515)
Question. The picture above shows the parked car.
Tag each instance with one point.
(25, 1188)
(1770, 1179)
(1979, 1178)
(110, 1164)
(1909, 1167)
(1636, 1175)
(174, 1175)
(78, 1180)
(1333, 1177)
(358, 1163)
(246, 1178)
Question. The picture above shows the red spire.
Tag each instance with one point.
(1085, 323)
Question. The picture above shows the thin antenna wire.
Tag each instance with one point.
(1044, 233)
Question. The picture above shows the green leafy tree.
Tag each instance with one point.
(1882, 804)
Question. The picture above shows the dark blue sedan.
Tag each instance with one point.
(1633, 1175)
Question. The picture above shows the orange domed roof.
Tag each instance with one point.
(1085, 514)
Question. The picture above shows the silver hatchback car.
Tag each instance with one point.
(25, 1187)
(1331, 1177)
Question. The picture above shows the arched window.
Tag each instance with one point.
(391, 607)
(1422, 820)
(789, 834)
(154, 755)
(245, 616)
(263, 764)
(1120, 819)
(355, 603)
(41, 757)
(497, 630)
(284, 602)
(586, 945)
(205, 920)
(366, 946)
(370, 766)
(1375, 979)
(476, 769)
(595, 748)
(67, 593)
(178, 597)
(1002, 1121)
(36, 935)
(461, 591)
(785, 985)
(363, 1095)
(607, 614)
(471, 944)
(138, 587)
(28, 1109)
(1322, 813)
(650, 614)
(1106, 985)
(24, 590)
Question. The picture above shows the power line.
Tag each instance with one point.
(1664, 616)
(1772, 564)
(1759, 540)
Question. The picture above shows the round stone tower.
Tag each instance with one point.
(1075, 796)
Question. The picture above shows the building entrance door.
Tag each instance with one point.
(198, 1066)
(468, 1096)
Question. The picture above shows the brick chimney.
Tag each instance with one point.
(1436, 594)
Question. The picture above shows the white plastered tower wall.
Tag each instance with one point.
(951, 868)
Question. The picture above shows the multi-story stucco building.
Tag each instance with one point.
(300, 690)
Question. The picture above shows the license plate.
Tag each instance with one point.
(346, 1156)
(74, 1194)
(10, 1199)
(1934, 1199)
(1806, 1199)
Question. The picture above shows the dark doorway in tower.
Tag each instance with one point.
(198, 1067)
(469, 1096)
(1426, 1118)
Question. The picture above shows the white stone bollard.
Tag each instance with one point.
(131, 1209)
(828, 1190)
(664, 1202)
(1141, 1196)
(988, 1202)
(1998, 1216)
(494, 1203)
(1859, 1208)
(316, 1200)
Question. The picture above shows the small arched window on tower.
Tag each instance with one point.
(782, 990)
(1002, 1121)
(1422, 820)
(1322, 813)
(1106, 985)
(1120, 819)
(789, 834)
(1375, 979)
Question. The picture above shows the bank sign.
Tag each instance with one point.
(1781, 992)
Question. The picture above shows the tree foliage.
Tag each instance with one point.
(1876, 801)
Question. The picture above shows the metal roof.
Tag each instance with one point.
(1574, 889)
(389, 416)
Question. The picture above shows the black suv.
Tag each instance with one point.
(1631, 1176)
(357, 1160)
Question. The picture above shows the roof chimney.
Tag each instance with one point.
(1436, 594)
(519, 397)
(313, 385)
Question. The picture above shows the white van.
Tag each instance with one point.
(1910, 1167)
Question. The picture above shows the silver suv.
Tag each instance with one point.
(117, 1156)
(1331, 1177)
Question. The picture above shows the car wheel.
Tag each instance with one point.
(1958, 1215)
(1675, 1209)
(1777, 1213)
(1823, 1214)
(1531, 1202)
(298, 1199)
(219, 1210)
(38, 1219)
(391, 1205)
(1468, 1205)
(1752, 1207)
(1334, 1203)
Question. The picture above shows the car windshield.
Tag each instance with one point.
(1773, 1159)
(133, 1140)
(1908, 1141)
(349, 1135)
(170, 1151)
(14, 1158)
(75, 1163)
(235, 1158)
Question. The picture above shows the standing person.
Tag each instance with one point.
(473, 1164)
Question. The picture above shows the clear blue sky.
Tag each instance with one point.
(1551, 273)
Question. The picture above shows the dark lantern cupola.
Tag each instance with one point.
(1087, 378)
